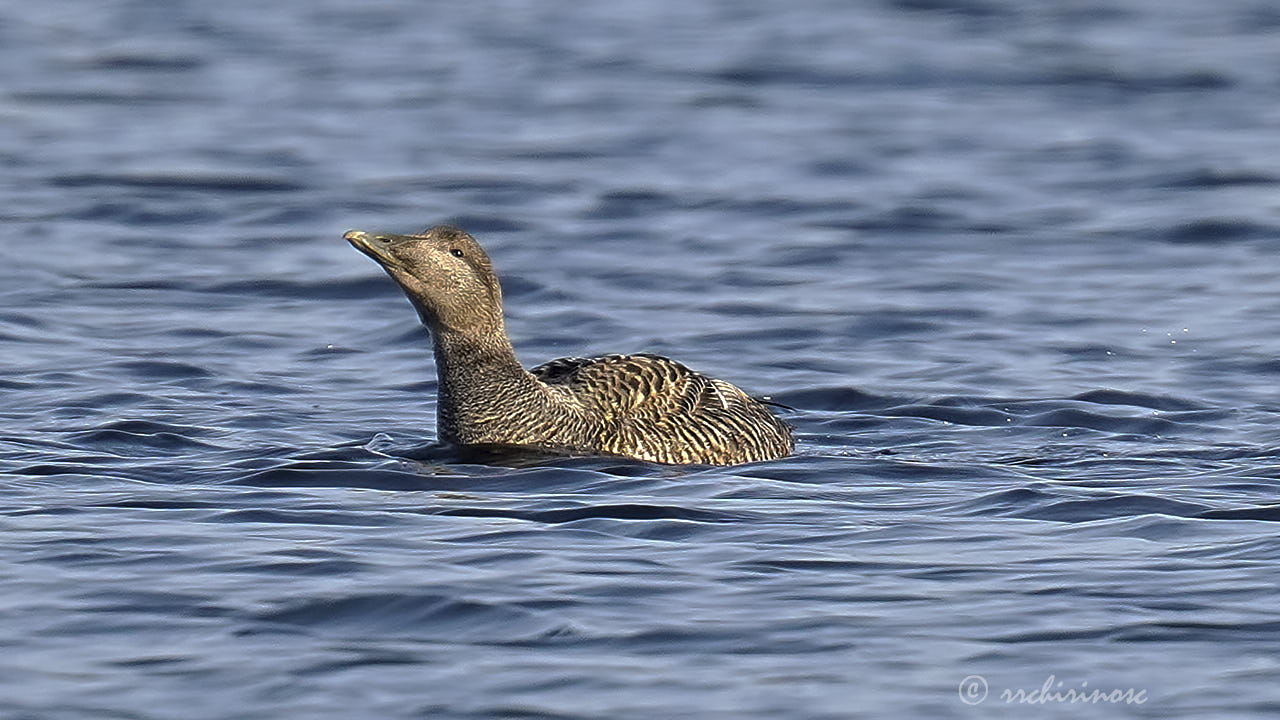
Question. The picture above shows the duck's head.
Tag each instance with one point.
(445, 273)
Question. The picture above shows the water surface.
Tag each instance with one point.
(1012, 266)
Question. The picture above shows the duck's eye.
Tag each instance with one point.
(456, 252)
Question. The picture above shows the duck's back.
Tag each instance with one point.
(651, 407)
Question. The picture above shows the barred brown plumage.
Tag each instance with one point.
(640, 406)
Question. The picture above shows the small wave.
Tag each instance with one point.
(269, 516)
(1261, 549)
(486, 224)
(1113, 507)
(149, 62)
(912, 218)
(1214, 230)
(204, 182)
(1267, 513)
(1109, 396)
(1006, 502)
(893, 324)
(486, 184)
(777, 74)
(816, 565)
(632, 203)
(370, 286)
(124, 442)
(107, 97)
(164, 370)
(833, 398)
(1114, 78)
(963, 8)
(957, 415)
(1075, 418)
(355, 477)
(610, 512)
(426, 616)
(1215, 178)
(1227, 631)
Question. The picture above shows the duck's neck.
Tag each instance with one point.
(481, 384)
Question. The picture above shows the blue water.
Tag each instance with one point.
(1012, 264)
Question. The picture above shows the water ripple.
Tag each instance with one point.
(422, 616)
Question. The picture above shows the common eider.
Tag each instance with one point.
(639, 406)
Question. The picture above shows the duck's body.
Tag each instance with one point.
(640, 406)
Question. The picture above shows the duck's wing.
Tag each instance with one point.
(652, 407)
(645, 386)
(642, 384)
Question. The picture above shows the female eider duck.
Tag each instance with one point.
(639, 406)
